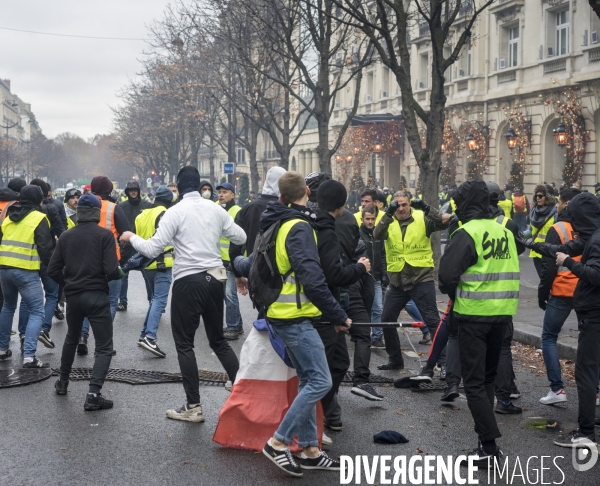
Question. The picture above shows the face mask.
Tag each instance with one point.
(206, 194)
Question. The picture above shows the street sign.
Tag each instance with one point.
(149, 180)
(228, 168)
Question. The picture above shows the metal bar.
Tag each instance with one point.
(384, 324)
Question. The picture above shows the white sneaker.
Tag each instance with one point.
(326, 440)
(554, 397)
(228, 385)
(187, 413)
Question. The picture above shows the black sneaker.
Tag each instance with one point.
(61, 387)
(44, 338)
(509, 409)
(4, 355)
(95, 401)
(450, 393)
(443, 373)
(378, 343)
(575, 439)
(231, 335)
(391, 366)
(36, 363)
(426, 338)
(322, 461)
(58, 313)
(482, 458)
(367, 391)
(150, 345)
(336, 426)
(283, 459)
(122, 306)
(425, 375)
(82, 347)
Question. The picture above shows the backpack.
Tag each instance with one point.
(265, 280)
(519, 204)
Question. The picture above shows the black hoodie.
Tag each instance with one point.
(472, 202)
(7, 194)
(42, 235)
(304, 257)
(549, 268)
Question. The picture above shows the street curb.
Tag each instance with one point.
(531, 335)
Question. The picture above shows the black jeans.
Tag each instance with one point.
(537, 263)
(194, 296)
(423, 295)
(503, 382)
(479, 348)
(361, 296)
(586, 370)
(94, 305)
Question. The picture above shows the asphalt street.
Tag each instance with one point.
(50, 439)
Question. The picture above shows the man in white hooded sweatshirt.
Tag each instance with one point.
(194, 227)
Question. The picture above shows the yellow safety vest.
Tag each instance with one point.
(506, 206)
(70, 223)
(224, 243)
(18, 248)
(414, 248)
(291, 303)
(145, 227)
(540, 236)
(358, 217)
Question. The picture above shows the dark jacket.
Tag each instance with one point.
(132, 209)
(494, 212)
(375, 253)
(460, 252)
(56, 223)
(87, 270)
(549, 268)
(42, 235)
(61, 210)
(348, 235)
(304, 259)
(123, 222)
(249, 220)
(7, 194)
(337, 273)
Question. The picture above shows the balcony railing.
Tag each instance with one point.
(555, 66)
(594, 55)
(508, 77)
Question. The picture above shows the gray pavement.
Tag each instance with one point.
(50, 439)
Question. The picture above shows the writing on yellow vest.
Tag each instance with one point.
(145, 227)
(291, 303)
(224, 243)
(413, 248)
(18, 248)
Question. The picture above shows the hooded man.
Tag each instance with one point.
(85, 276)
(26, 244)
(479, 271)
(249, 220)
(584, 211)
(132, 208)
(206, 191)
(71, 199)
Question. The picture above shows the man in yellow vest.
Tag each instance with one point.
(368, 199)
(480, 272)
(26, 244)
(304, 299)
(406, 231)
(158, 275)
(233, 316)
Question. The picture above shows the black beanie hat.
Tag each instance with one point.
(331, 195)
(31, 194)
(16, 184)
(188, 180)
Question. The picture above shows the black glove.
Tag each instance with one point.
(526, 243)
(419, 204)
(542, 304)
(392, 208)
(385, 281)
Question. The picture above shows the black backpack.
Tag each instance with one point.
(265, 280)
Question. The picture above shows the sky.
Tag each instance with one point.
(72, 83)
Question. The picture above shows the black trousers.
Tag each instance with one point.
(338, 361)
(586, 370)
(423, 295)
(479, 347)
(503, 383)
(94, 305)
(361, 295)
(194, 296)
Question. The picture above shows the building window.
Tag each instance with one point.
(464, 66)
(240, 155)
(562, 33)
(513, 46)
(424, 74)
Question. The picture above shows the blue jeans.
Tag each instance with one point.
(124, 287)
(307, 353)
(415, 315)
(51, 295)
(376, 310)
(26, 283)
(114, 290)
(233, 317)
(557, 311)
(160, 284)
(521, 220)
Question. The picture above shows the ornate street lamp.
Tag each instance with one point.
(349, 158)
(472, 142)
(511, 138)
(377, 147)
(560, 134)
(443, 148)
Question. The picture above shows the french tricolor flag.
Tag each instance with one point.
(264, 389)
